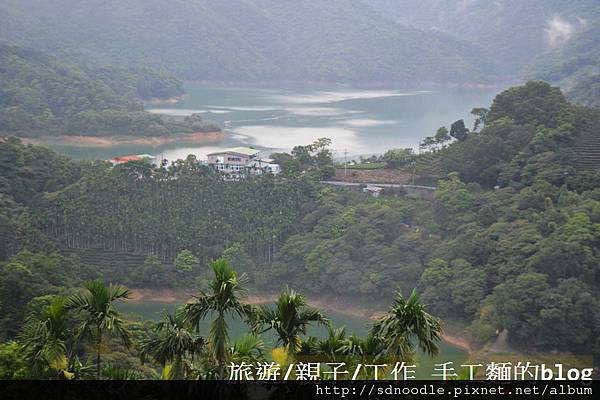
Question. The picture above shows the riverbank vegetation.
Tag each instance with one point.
(69, 336)
(509, 242)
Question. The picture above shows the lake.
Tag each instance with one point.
(425, 365)
(359, 121)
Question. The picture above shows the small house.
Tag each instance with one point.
(374, 191)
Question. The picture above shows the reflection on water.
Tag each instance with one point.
(358, 121)
(360, 326)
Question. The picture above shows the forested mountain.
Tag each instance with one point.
(141, 83)
(515, 31)
(244, 40)
(510, 241)
(40, 95)
(575, 66)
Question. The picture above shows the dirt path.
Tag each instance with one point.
(160, 295)
(458, 342)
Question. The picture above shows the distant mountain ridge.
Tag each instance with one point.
(575, 66)
(516, 31)
(407, 42)
(245, 40)
(554, 40)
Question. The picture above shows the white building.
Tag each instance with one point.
(241, 161)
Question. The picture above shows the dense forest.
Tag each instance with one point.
(249, 40)
(574, 66)
(552, 40)
(405, 41)
(501, 246)
(60, 322)
(509, 242)
(42, 96)
(518, 31)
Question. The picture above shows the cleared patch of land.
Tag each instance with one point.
(382, 175)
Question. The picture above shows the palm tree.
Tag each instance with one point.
(226, 290)
(334, 345)
(174, 345)
(249, 348)
(290, 319)
(353, 350)
(99, 314)
(405, 325)
(45, 338)
(116, 373)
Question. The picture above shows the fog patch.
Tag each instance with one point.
(367, 122)
(559, 30)
(323, 97)
(286, 137)
(183, 112)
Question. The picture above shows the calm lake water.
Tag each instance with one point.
(425, 365)
(359, 121)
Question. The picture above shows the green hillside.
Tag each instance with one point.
(244, 40)
(42, 96)
(515, 31)
(575, 66)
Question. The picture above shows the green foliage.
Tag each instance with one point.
(458, 131)
(27, 276)
(513, 258)
(515, 32)
(114, 372)
(239, 259)
(351, 242)
(172, 344)
(530, 132)
(99, 317)
(397, 158)
(151, 273)
(407, 325)
(509, 241)
(574, 66)
(224, 298)
(138, 82)
(290, 319)
(185, 261)
(42, 96)
(535, 103)
(45, 339)
(307, 42)
(314, 160)
(12, 363)
(28, 172)
(130, 208)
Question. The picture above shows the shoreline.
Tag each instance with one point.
(170, 100)
(109, 141)
(326, 303)
(351, 84)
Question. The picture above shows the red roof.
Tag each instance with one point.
(124, 159)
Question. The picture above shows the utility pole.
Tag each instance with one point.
(345, 163)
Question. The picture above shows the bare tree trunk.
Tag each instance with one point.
(98, 343)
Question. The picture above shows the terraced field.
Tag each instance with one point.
(107, 265)
(586, 153)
